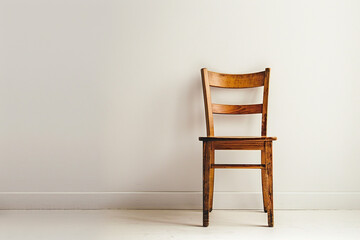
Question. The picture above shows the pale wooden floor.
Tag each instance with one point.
(176, 224)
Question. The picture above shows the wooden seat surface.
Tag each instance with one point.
(237, 138)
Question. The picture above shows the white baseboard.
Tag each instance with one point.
(175, 200)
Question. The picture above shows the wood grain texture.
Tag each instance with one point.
(269, 169)
(212, 178)
(206, 183)
(236, 80)
(264, 181)
(236, 109)
(238, 145)
(265, 102)
(207, 102)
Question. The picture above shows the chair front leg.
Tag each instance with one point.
(212, 179)
(264, 181)
(269, 170)
(206, 183)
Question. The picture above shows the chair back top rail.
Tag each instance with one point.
(223, 80)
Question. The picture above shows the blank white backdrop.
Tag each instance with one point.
(101, 102)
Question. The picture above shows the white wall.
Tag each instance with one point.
(101, 103)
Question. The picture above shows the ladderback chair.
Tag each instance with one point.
(212, 142)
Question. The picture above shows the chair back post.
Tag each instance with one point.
(265, 102)
(208, 103)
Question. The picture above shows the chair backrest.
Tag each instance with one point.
(213, 79)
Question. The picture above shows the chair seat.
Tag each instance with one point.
(236, 138)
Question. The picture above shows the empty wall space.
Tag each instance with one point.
(101, 102)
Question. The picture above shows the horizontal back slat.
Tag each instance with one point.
(236, 80)
(236, 109)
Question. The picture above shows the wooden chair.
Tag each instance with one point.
(212, 143)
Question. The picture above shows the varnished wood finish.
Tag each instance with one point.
(243, 166)
(265, 102)
(236, 109)
(238, 145)
(236, 80)
(212, 178)
(206, 184)
(264, 181)
(269, 169)
(207, 101)
(212, 143)
(236, 138)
